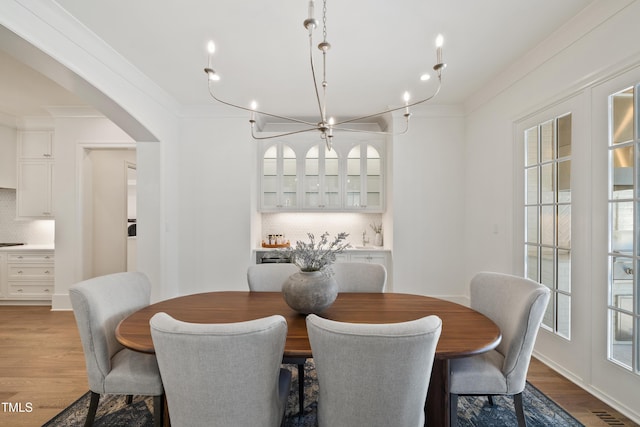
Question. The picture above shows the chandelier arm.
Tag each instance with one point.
(391, 110)
(291, 119)
(402, 132)
(281, 134)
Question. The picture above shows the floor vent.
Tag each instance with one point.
(608, 418)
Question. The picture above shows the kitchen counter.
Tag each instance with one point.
(28, 247)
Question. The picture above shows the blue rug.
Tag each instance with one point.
(540, 411)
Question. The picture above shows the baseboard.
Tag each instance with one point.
(632, 414)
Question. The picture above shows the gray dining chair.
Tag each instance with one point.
(269, 278)
(99, 304)
(225, 374)
(517, 305)
(373, 374)
(359, 276)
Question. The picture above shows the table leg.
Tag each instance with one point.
(437, 406)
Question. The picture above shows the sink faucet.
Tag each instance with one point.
(364, 238)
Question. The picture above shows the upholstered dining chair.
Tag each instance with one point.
(225, 374)
(98, 305)
(373, 374)
(516, 305)
(269, 278)
(359, 276)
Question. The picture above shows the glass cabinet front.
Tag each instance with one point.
(279, 177)
(321, 178)
(364, 178)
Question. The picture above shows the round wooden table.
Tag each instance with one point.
(465, 332)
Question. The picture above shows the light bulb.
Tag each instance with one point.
(439, 40)
(406, 96)
(211, 47)
(254, 105)
(425, 77)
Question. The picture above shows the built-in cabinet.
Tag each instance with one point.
(375, 256)
(35, 174)
(27, 275)
(303, 175)
(8, 144)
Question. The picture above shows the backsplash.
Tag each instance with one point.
(22, 231)
(296, 225)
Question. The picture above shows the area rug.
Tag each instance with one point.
(540, 411)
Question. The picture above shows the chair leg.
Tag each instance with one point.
(517, 402)
(93, 407)
(301, 389)
(129, 399)
(158, 410)
(490, 397)
(453, 410)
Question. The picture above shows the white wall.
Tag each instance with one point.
(70, 135)
(428, 206)
(216, 190)
(598, 44)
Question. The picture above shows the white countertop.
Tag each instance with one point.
(29, 247)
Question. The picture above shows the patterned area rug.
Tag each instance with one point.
(540, 411)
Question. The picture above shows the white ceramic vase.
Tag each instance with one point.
(310, 291)
(377, 240)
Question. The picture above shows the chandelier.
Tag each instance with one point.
(325, 125)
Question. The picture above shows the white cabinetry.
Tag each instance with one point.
(302, 175)
(35, 174)
(3, 275)
(279, 184)
(28, 275)
(8, 146)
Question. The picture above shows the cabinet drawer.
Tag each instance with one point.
(30, 271)
(30, 289)
(41, 257)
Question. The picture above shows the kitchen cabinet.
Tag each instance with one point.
(34, 145)
(279, 180)
(364, 178)
(35, 174)
(302, 175)
(27, 275)
(8, 155)
(375, 256)
(3, 275)
(321, 181)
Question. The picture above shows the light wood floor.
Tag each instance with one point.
(41, 363)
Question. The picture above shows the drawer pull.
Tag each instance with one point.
(19, 290)
(47, 272)
(19, 271)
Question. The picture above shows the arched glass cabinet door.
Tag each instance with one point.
(364, 181)
(321, 179)
(279, 178)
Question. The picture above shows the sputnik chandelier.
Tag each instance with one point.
(326, 125)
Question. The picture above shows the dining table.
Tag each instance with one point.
(465, 332)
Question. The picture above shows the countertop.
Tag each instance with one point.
(29, 247)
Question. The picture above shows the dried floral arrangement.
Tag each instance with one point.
(317, 256)
(377, 228)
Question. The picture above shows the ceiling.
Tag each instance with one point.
(379, 49)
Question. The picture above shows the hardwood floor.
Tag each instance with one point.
(42, 366)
